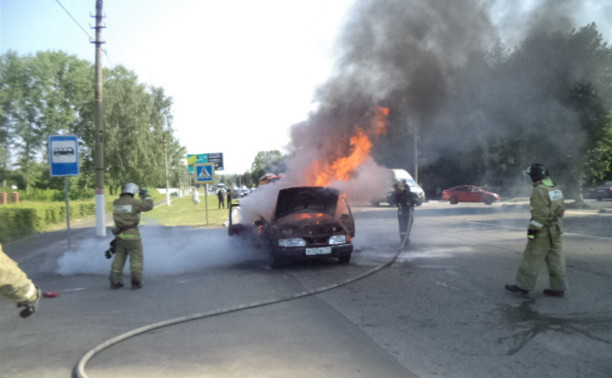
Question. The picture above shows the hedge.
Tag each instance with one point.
(23, 219)
(28, 217)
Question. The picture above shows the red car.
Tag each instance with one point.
(469, 193)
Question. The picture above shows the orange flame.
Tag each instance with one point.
(322, 174)
(381, 120)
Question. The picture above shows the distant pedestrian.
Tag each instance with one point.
(221, 198)
(229, 197)
(543, 237)
(196, 198)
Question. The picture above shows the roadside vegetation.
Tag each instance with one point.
(182, 212)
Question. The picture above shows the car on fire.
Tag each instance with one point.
(309, 222)
(469, 193)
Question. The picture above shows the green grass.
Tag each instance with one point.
(182, 212)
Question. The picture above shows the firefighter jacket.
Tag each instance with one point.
(404, 198)
(14, 283)
(546, 205)
(126, 214)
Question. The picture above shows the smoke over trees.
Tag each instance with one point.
(481, 112)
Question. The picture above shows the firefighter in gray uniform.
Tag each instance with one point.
(126, 214)
(15, 284)
(544, 236)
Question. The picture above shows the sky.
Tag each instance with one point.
(240, 72)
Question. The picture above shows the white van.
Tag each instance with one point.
(400, 175)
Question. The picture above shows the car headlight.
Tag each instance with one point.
(292, 242)
(337, 239)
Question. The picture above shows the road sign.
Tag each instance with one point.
(205, 172)
(216, 158)
(64, 155)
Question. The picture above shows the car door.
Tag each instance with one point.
(475, 194)
(344, 214)
(462, 193)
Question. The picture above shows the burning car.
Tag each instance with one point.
(308, 222)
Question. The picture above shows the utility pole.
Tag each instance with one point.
(166, 163)
(99, 153)
(416, 155)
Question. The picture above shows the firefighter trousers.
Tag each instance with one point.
(404, 221)
(546, 247)
(125, 248)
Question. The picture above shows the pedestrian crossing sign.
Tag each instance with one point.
(205, 172)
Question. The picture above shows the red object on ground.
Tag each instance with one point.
(50, 294)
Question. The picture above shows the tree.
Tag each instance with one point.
(52, 93)
(46, 91)
(267, 162)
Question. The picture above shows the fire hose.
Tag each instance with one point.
(79, 368)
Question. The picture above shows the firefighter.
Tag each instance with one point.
(126, 214)
(405, 201)
(15, 284)
(543, 236)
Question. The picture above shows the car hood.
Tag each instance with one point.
(310, 222)
(301, 200)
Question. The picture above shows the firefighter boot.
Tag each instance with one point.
(554, 293)
(516, 289)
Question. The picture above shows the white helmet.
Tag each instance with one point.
(130, 188)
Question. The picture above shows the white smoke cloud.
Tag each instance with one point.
(168, 251)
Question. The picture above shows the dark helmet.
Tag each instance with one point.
(537, 172)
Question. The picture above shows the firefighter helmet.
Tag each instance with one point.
(130, 188)
(537, 172)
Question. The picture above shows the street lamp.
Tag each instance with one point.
(166, 164)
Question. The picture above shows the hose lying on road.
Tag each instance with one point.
(79, 369)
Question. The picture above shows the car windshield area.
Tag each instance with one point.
(306, 200)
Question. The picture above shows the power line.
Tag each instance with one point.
(73, 19)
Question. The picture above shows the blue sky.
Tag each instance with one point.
(240, 72)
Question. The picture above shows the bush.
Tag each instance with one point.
(19, 220)
(55, 195)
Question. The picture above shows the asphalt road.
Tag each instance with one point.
(439, 310)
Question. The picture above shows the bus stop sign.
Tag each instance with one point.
(64, 155)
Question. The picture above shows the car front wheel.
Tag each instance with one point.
(275, 260)
(488, 200)
(344, 258)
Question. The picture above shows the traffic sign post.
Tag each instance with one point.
(205, 172)
(64, 155)
(215, 158)
(64, 159)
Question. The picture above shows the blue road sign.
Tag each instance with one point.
(64, 155)
(216, 158)
(205, 172)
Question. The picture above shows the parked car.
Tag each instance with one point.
(308, 223)
(469, 193)
(400, 175)
(240, 192)
(604, 191)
